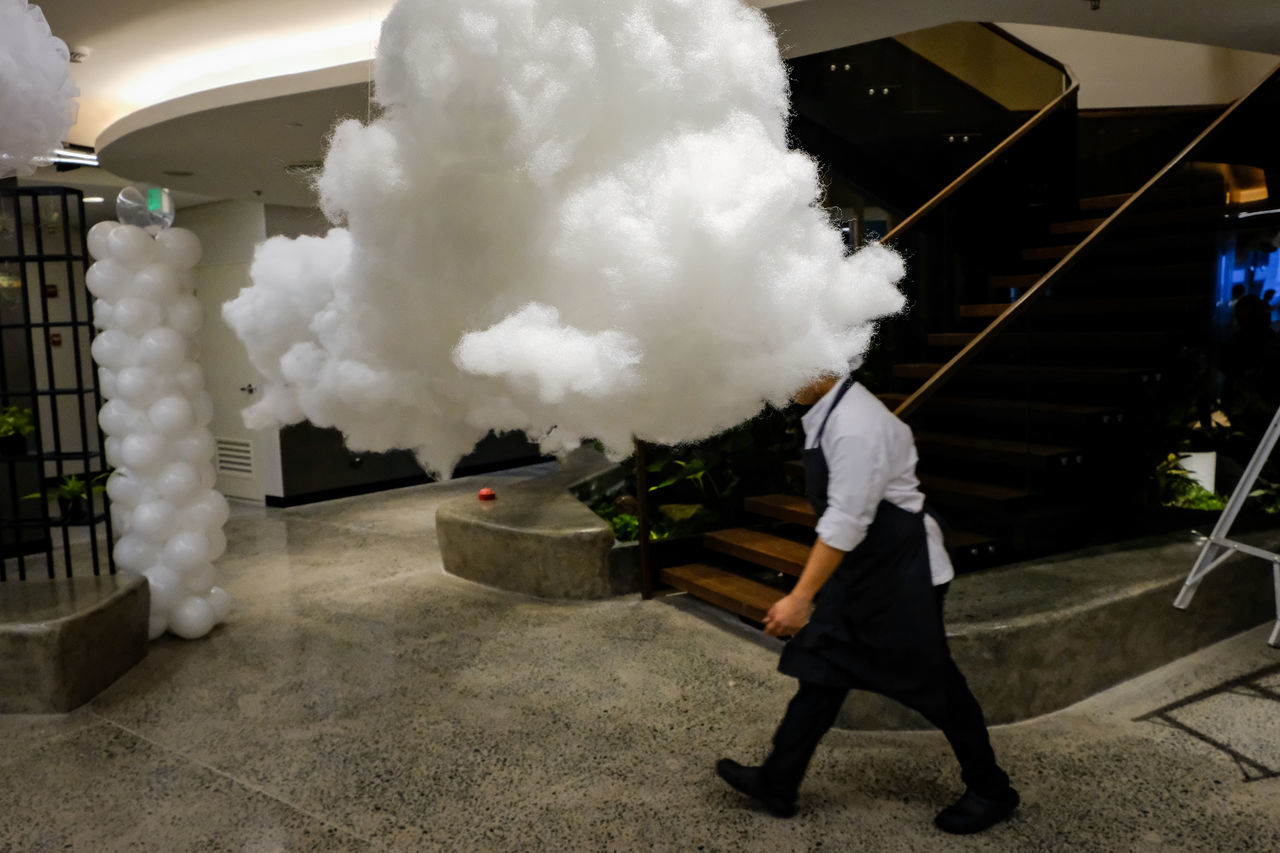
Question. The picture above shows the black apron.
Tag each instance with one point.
(876, 624)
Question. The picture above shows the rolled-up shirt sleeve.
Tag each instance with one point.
(856, 483)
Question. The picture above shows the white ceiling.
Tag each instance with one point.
(234, 90)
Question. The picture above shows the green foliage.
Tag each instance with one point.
(1177, 489)
(701, 486)
(72, 487)
(16, 420)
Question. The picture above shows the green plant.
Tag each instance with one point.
(1176, 488)
(16, 420)
(701, 486)
(72, 487)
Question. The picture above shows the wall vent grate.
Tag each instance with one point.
(235, 458)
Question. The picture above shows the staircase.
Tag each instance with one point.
(1037, 421)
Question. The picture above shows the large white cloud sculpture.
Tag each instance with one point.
(37, 98)
(572, 218)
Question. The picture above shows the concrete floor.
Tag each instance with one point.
(361, 699)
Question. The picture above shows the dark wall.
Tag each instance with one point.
(317, 465)
(1121, 149)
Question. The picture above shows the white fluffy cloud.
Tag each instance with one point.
(571, 215)
(37, 99)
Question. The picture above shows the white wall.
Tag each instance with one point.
(1131, 71)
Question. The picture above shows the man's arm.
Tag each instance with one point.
(791, 612)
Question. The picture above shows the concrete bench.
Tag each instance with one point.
(63, 641)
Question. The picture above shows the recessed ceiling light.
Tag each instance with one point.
(94, 199)
(177, 173)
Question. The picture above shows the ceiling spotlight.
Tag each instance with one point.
(94, 199)
(1095, 5)
(77, 158)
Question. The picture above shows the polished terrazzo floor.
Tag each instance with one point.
(361, 699)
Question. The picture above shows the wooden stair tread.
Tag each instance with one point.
(1046, 373)
(725, 589)
(1111, 340)
(1103, 202)
(955, 538)
(1076, 226)
(1157, 304)
(792, 508)
(1010, 408)
(933, 485)
(1047, 253)
(1001, 445)
(761, 548)
(1005, 282)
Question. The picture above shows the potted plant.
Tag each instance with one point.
(72, 492)
(16, 423)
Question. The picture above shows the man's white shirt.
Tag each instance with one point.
(871, 456)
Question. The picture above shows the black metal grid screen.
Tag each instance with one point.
(46, 329)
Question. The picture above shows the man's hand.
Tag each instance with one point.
(788, 615)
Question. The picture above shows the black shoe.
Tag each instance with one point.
(750, 781)
(974, 812)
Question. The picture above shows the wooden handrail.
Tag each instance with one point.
(1017, 308)
(986, 160)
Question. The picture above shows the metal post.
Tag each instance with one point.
(642, 523)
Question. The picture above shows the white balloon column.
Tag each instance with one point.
(166, 514)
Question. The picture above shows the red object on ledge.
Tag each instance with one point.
(487, 494)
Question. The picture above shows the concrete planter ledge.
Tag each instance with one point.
(538, 538)
(63, 641)
(1036, 637)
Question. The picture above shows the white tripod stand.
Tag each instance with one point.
(1218, 547)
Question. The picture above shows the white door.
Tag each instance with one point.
(248, 462)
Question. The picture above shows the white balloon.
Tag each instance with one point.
(156, 283)
(179, 248)
(186, 315)
(203, 405)
(189, 377)
(200, 578)
(166, 587)
(118, 418)
(120, 519)
(192, 618)
(220, 600)
(98, 238)
(178, 481)
(107, 382)
(111, 447)
(134, 316)
(208, 511)
(104, 316)
(153, 520)
(130, 245)
(217, 543)
(157, 624)
(172, 415)
(161, 348)
(114, 349)
(107, 279)
(187, 549)
(138, 385)
(196, 446)
(143, 451)
(208, 477)
(134, 553)
(125, 490)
